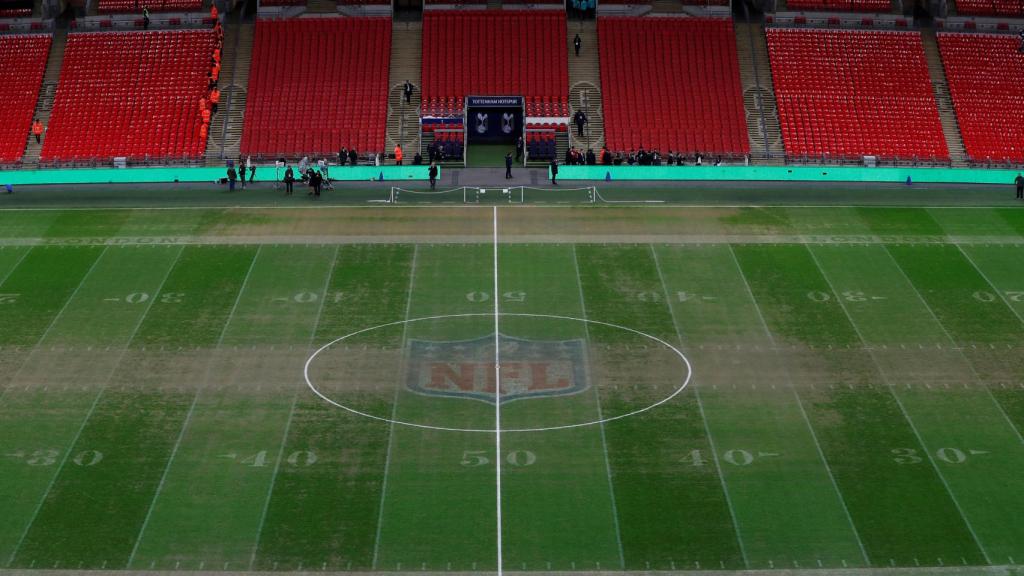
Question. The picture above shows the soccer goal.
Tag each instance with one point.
(460, 195)
(531, 195)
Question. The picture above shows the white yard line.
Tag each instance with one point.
(990, 282)
(291, 415)
(903, 410)
(703, 417)
(92, 407)
(394, 408)
(497, 394)
(800, 405)
(600, 418)
(191, 410)
(970, 365)
(15, 267)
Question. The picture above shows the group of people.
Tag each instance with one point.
(209, 103)
(236, 174)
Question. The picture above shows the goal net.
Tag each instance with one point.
(532, 195)
(460, 195)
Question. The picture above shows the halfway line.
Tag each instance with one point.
(497, 390)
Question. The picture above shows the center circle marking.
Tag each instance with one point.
(675, 392)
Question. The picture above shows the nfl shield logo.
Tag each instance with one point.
(465, 369)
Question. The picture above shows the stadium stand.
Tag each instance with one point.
(672, 84)
(316, 85)
(1012, 8)
(846, 94)
(841, 5)
(15, 8)
(515, 52)
(22, 64)
(119, 6)
(131, 94)
(985, 73)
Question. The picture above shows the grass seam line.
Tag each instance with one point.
(703, 417)
(497, 394)
(188, 417)
(92, 408)
(803, 412)
(970, 365)
(291, 415)
(903, 410)
(394, 410)
(600, 417)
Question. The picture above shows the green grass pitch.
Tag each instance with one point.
(855, 396)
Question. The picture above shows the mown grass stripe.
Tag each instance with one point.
(600, 417)
(803, 412)
(903, 410)
(703, 416)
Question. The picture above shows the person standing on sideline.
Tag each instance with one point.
(316, 180)
(577, 43)
(407, 89)
(232, 176)
(241, 171)
(554, 171)
(251, 167)
(580, 118)
(508, 166)
(145, 18)
(289, 180)
(432, 173)
(1019, 181)
(398, 154)
(37, 130)
(519, 149)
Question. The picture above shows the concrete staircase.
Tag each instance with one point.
(584, 87)
(666, 7)
(404, 119)
(47, 92)
(758, 94)
(226, 125)
(947, 115)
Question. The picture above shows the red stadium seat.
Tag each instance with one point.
(132, 94)
(518, 52)
(336, 97)
(117, 6)
(672, 84)
(22, 64)
(1014, 8)
(847, 94)
(985, 74)
(841, 5)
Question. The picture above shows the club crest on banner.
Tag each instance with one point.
(481, 122)
(465, 369)
(508, 122)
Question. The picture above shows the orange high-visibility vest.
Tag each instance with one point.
(37, 128)
(213, 12)
(206, 116)
(215, 96)
(398, 153)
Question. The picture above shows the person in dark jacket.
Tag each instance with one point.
(580, 119)
(577, 43)
(1019, 181)
(232, 176)
(289, 180)
(407, 89)
(353, 157)
(508, 166)
(432, 173)
(520, 145)
(554, 171)
(316, 180)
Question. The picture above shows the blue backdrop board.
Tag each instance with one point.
(788, 173)
(184, 174)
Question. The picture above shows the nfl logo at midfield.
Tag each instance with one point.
(465, 369)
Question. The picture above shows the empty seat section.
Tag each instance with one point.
(1013, 8)
(985, 73)
(488, 53)
(15, 8)
(841, 5)
(847, 94)
(116, 6)
(22, 64)
(672, 84)
(132, 94)
(316, 85)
